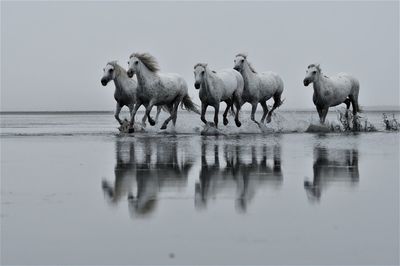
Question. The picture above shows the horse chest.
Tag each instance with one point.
(209, 98)
(123, 98)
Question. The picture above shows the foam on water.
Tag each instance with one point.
(187, 123)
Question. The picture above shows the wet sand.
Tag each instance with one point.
(96, 197)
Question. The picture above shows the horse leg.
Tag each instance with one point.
(354, 103)
(319, 110)
(174, 119)
(158, 113)
(133, 114)
(347, 102)
(148, 111)
(173, 113)
(277, 103)
(216, 107)
(144, 120)
(265, 111)
(117, 111)
(324, 112)
(228, 105)
(237, 121)
(253, 111)
(203, 112)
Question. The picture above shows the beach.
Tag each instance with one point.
(76, 191)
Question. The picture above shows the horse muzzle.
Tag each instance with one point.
(104, 82)
(130, 73)
(306, 82)
(236, 68)
(197, 85)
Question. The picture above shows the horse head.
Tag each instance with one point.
(108, 73)
(139, 60)
(312, 73)
(239, 61)
(199, 73)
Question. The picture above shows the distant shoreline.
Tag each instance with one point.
(367, 109)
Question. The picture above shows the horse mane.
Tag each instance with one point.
(316, 66)
(244, 55)
(200, 64)
(117, 68)
(252, 68)
(205, 66)
(148, 60)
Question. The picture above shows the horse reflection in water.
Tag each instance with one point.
(332, 166)
(150, 164)
(242, 170)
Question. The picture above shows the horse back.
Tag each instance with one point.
(173, 82)
(347, 82)
(232, 80)
(271, 82)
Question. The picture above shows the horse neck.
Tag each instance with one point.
(247, 73)
(206, 81)
(145, 76)
(119, 82)
(319, 84)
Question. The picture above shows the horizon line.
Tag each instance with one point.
(376, 108)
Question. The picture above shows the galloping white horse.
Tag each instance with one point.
(157, 89)
(332, 91)
(259, 87)
(225, 85)
(125, 89)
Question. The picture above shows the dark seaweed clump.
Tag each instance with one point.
(391, 124)
(351, 123)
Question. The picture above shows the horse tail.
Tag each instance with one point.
(278, 93)
(189, 105)
(277, 99)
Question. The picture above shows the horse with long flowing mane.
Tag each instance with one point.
(259, 87)
(332, 91)
(225, 85)
(157, 89)
(125, 89)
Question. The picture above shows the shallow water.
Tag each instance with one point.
(74, 191)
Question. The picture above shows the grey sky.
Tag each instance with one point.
(52, 54)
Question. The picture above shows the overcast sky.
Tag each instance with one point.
(52, 54)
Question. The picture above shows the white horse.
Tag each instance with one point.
(225, 85)
(259, 87)
(332, 91)
(158, 89)
(125, 89)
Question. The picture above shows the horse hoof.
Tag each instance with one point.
(152, 122)
(131, 130)
(225, 121)
(238, 123)
(269, 119)
(164, 127)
